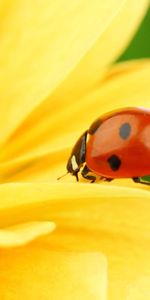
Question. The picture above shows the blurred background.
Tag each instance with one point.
(140, 45)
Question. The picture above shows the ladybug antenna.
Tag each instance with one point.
(62, 175)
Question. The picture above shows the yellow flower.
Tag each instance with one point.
(86, 241)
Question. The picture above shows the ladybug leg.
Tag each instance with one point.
(85, 173)
(138, 180)
(106, 179)
(76, 175)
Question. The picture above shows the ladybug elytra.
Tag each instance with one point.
(117, 145)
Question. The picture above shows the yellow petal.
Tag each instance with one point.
(107, 48)
(44, 147)
(127, 84)
(105, 218)
(24, 202)
(139, 290)
(22, 234)
(128, 256)
(38, 273)
(46, 41)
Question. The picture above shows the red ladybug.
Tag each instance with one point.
(117, 145)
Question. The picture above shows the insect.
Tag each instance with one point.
(116, 145)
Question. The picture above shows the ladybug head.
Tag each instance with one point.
(72, 166)
(77, 157)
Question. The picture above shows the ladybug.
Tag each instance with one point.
(116, 145)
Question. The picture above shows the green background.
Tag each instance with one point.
(140, 45)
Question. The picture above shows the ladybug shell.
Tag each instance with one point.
(119, 144)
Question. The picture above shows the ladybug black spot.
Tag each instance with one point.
(124, 131)
(114, 162)
(94, 126)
